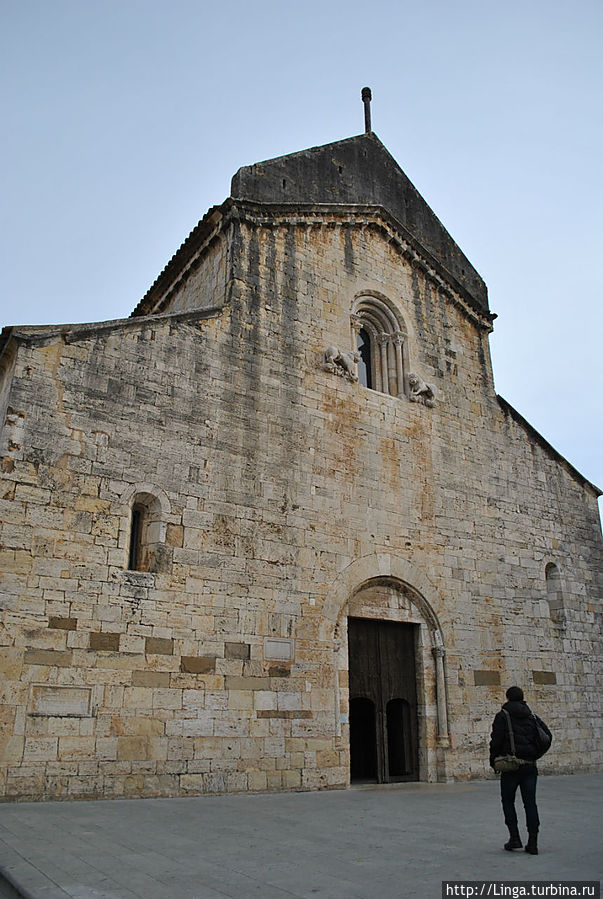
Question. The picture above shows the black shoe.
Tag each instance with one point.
(532, 844)
(514, 843)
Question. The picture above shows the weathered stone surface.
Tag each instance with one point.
(281, 499)
(105, 642)
(159, 646)
(66, 624)
(486, 678)
(48, 657)
(544, 677)
(58, 701)
(236, 650)
(197, 665)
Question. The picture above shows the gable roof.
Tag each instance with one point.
(360, 171)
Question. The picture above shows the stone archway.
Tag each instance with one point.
(380, 587)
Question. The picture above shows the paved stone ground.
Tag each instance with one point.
(383, 842)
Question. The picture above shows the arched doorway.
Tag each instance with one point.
(383, 701)
(390, 589)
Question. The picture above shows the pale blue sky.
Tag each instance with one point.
(124, 120)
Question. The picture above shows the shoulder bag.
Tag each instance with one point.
(503, 764)
(542, 739)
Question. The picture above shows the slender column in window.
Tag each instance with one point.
(383, 342)
(398, 341)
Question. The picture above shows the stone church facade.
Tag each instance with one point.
(276, 530)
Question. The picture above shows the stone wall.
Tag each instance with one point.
(288, 497)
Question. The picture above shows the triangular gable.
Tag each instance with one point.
(358, 170)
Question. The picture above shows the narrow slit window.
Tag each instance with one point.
(135, 557)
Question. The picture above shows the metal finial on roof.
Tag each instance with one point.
(366, 99)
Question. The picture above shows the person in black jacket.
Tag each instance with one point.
(526, 747)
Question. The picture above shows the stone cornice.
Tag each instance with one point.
(363, 216)
(188, 254)
(39, 334)
(270, 215)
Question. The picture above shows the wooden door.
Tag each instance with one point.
(383, 701)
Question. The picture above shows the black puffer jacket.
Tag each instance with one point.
(524, 732)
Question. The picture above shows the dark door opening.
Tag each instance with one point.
(383, 701)
(362, 739)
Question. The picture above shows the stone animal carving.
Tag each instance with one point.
(420, 392)
(342, 364)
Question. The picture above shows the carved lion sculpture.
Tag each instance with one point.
(342, 364)
(420, 392)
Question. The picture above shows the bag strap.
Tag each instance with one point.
(510, 726)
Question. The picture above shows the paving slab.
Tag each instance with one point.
(385, 842)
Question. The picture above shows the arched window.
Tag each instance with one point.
(554, 593)
(146, 533)
(380, 338)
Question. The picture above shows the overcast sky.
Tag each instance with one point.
(124, 120)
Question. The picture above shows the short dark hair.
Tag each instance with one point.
(515, 694)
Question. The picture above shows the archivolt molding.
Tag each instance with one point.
(146, 491)
(383, 565)
(372, 306)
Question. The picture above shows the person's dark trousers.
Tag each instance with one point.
(525, 778)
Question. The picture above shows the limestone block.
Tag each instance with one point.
(257, 781)
(106, 748)
(138, 698)
(167, 699)
(131, 748)
(11, 662)
(197, 664)
(67, 624)
(57, 700)
(327, 758)
(274, 780)
(236, 650)
(76, 748)
(105, 642)
(49, 658)
(40, 749)
(11, 749)
(240, 699)
(159, 646)
(193, 699)
(215, 783)
(231, 727)
(202, 726)
(265, 699)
